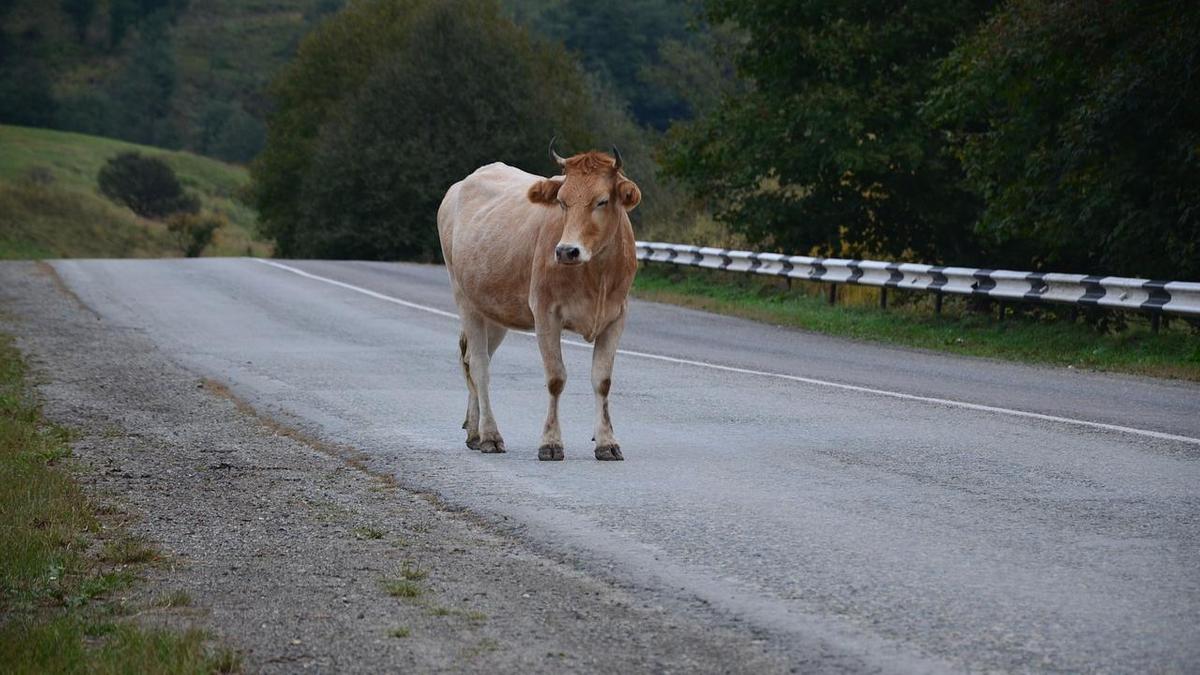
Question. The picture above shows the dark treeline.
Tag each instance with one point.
(1029, 134)
(1034, 134)
(1044, 134)
(171, 73)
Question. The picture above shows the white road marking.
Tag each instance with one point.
(779, 376)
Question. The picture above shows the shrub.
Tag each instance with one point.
(147, 185)
(192, 232)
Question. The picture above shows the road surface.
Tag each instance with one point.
(899, 510)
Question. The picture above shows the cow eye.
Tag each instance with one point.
(562, 204)
(601, 203)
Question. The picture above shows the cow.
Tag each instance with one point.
(527, 252)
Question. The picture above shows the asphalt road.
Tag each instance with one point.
(892, 509)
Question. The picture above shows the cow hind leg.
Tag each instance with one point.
(471, 423)
(479, 347)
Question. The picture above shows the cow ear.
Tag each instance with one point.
(629, 194)
(544, 191)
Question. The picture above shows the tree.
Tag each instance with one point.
(384, 109)
(81, 13)
(380, 172)
(331, 64)
(1076, 124)
(228, 132)
(828, 151)
(142, 92)
(147, 185)
(618, 42)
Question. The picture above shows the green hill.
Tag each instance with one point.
(50, 206)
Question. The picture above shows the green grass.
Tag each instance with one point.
(66, 645)
(412, 574)
(178, 598)
(62, 213)
(58, 613)
(401, 632)
(127, 550)
(400, 588)
(1043, 337)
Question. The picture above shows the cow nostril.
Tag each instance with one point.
(567, 253)
(573, 253)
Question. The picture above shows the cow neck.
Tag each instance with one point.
(608, 255)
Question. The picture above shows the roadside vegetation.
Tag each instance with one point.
(51, 205)
(65, 562)
(1050, 336)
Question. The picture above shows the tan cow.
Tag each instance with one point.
(526, 252)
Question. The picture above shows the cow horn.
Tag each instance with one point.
(554, 155)
(617, 156)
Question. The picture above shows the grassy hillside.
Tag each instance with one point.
(50, 206)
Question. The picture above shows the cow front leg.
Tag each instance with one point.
(478, 366)
(549, 337)
(603, 354)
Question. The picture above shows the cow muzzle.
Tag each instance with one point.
(570, 254)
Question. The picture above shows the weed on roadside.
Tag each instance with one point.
(367, 532)
(399, 588)
(413, 574)
(179, 598)
(129, 550)
(59, 610)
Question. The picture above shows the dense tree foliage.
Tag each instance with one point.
(389, 103)
(172, 73)
(829, 151)
(1076, 123)
(147, 185)
(1044, 134)
(619, 43)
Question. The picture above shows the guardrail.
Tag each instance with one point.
(1144, 295)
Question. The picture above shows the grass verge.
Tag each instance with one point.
(1031, 336)
(60, 572)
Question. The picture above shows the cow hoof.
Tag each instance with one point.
(609, 453)
(473, 442)
(491, 447)
(551, 453)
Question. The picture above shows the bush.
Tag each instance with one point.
(147, 185)
(192, 232)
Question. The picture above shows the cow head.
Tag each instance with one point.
(593, 196)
